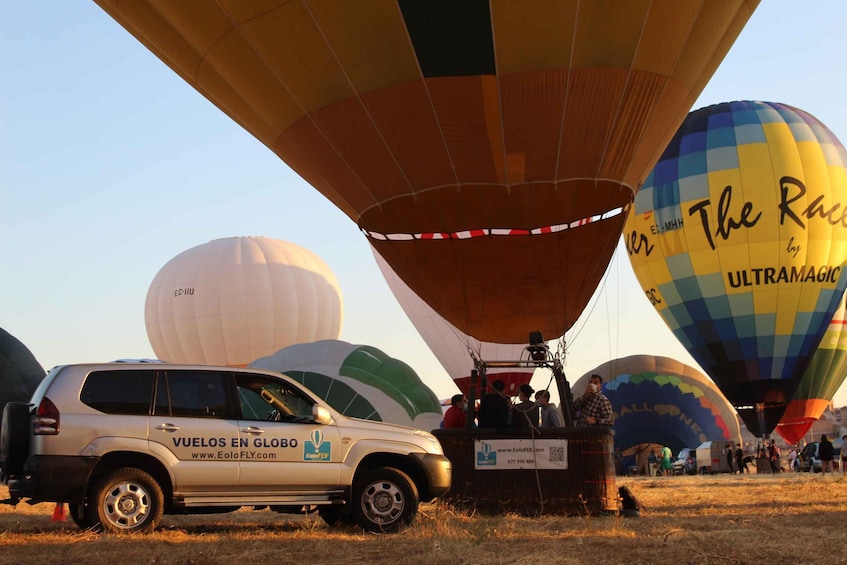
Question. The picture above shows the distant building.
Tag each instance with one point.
(833, 423)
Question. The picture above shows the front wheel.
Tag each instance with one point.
(384, 500)
(126, 501)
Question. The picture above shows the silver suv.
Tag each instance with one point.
(122, 444)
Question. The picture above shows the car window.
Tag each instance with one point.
(198, 394)
(265, 398)
(119, 392)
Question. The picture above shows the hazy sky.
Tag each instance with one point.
(110, 165)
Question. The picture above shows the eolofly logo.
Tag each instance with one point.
(315, 448)
(486, 455)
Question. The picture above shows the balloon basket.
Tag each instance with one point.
(585, 488)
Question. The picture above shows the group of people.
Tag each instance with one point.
(736, 460)
(826, 455)
(660, 463)
(496, 409)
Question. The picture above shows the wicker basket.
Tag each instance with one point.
(586, 487)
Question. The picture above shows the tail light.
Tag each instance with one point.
(46, 420)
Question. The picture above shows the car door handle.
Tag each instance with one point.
(168, 427)
(252, 430)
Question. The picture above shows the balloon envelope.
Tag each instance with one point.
(452, 347)
(359, 381)
(233, 300)
(486, 148)
(737, 238)
(20, 373)
(660, 400)
(822, 379)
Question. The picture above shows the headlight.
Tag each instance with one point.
(435, 444)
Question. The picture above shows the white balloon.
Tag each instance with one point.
(233, 300)
(450, 345)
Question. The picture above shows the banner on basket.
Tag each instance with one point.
(498, 454)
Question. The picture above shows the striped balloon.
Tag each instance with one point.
(661, 400)
(820, 382)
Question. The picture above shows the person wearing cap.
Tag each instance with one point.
(525, 412)
(593, 406)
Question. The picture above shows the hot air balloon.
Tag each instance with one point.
(661, 400)
(453, 349)
(233, 300)
(820, 382)
(738, 238)
(486, 148)
(359, 381)
(20, 373)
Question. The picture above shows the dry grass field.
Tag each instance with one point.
(788, 518)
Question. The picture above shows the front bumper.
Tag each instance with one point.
(439, 470)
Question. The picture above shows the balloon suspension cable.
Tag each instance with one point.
(538, 355)
(474, 356)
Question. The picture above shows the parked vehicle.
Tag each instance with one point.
(686, 462)
(711, 457)
(809, 461)
(122, 444)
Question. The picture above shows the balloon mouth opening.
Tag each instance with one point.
(497, 232)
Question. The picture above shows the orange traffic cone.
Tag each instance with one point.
(59, 512)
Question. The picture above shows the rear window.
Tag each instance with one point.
(119, 392)
(196, 394)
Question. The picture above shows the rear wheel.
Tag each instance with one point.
(384, 500)
(126, 500)
(14, 438)
(79, 514)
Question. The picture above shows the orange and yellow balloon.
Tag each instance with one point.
(486, 148)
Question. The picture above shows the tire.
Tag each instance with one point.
(14, 438)
(83, 522)
(384, 500)
(335, 517)
(126, 501)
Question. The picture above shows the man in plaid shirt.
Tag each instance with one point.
(593, 407)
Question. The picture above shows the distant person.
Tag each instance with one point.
(593, 407)
(843, 454)
(457, 414)
(525, 412)
(773, 456)
(793, 461)
(550, 416)
(739, 460)
(666, 466)
(495, 408)
(730, 457)
(825, 453)
(652, 463)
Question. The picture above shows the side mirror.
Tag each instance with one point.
(321, 415)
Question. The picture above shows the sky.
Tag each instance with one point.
(111, 165)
